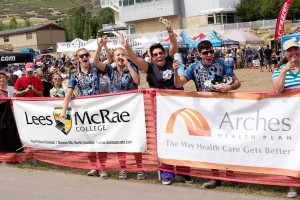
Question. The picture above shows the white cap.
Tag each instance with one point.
(290, 43)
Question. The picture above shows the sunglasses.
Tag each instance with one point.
(57, 79)
(159, 53)
(85, 54)
(207, 52)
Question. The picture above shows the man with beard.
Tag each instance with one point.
(206, 69)
(160, 74)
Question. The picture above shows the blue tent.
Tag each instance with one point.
(190, 43)
(215, 38)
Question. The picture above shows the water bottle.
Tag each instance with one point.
(180, 69)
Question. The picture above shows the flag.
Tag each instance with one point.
(281, 18)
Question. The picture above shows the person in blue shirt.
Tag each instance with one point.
(207, 68)
(123, 75)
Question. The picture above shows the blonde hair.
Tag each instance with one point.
(118, 48)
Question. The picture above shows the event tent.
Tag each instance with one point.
(199, 36)
(242, 37)
(153, 40)
(189, 43)
(215, 38)
(7, 57)
(218, 40)
(111, 44)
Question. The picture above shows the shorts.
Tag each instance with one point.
(268, 61)
(249, 59)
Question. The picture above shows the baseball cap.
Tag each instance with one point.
(290, 43)
(29, 67)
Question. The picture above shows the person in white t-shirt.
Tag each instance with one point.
(16, 71)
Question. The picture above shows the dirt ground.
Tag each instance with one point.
(251, 80)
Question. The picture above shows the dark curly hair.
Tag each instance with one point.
(205, 44)
(155, 46)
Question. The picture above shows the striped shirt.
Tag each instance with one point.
(291, 80)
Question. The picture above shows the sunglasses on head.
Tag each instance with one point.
(207, 52)
(159, 53)
(85, 54)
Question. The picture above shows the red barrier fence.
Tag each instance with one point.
(132, 161)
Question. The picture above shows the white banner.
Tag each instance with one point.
(242, 132)
(67, 47)
(96, 124)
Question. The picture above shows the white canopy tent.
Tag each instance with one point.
(145, 46)
(242, 37)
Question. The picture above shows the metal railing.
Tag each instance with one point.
(262, 24)
(114, 4)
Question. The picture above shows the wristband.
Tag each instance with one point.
(170, 32)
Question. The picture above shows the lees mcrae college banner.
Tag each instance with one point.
(95, 124)
(237, 131)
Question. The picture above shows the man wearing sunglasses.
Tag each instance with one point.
(207, 68)
(160, 72)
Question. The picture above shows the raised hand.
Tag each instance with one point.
(102, 41)
(123, 40)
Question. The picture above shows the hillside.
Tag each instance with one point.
(41, 9)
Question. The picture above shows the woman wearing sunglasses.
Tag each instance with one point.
(85, 78)
(123, 76)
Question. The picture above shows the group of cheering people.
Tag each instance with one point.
(120, 72)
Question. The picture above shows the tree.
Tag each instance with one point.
(294, 11)
(270, 8)
(27, 22)
(249, 10)
(87, 32)
(81, 24)
(3, 26)
(104, 16)
(13, 24)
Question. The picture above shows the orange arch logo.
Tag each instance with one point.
(194, 121)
